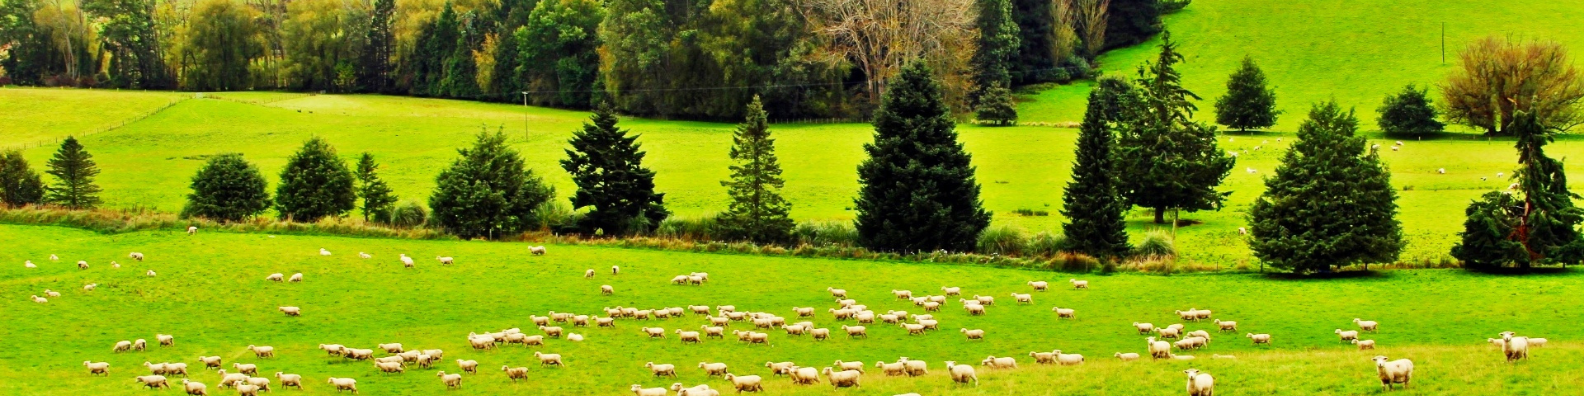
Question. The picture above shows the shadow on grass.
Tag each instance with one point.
(1540, 271)
(1355, 274)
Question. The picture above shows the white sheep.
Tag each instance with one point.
(332, 349)
(854, 366)
(97, 367)
(712, 369)
(1346, 336)
(356, 354)
(54, 258)
(1068, 313)
(150, 273)
(37, 299)
(1039, 285)
(231, 379)
(639, 390)
(975, 334)
(1067, 359)
(1398, 371)
(614, 269)
(838, 293)
(395, 347)
(1220, 356)
(661, 370)
(152, 381)
(951, 291)
(1078, 284)
(406, 261)
(295, 278)
(902, 294)
(998, 362)
(688, 336)
(136, 256)
(262, 351)
(444, 260)
(245, 368)
(277, 277)
(1366, 325)
(820, 333)
(192, 230)
(1144, 328)
(343, 384)
(1515, 348)
(1537, 342)
(974, 309)
(29, 264)
(365, 256)
(1200, 384)
(962, 373)
(323, 252)
(1158, 349)
(842, 379)
(540, 251)
(856, 331)
(803, 375)
(450, 380)
(389, 367)
(194, 388)
(892, 369)
(289, 380)
(549, 359)
(1023, 298)
(82, 265)
(1126, 357)
(607, 290)
(574, 337)
(1225, 325)
(291, 311)
(139, 344)
(244, 389)
(654, 332)
(90, 286)
(746, 383)
(165, 339)
(470, 366)
(515, 373)
(915, 367)
(1364, 344)
(1259, 338)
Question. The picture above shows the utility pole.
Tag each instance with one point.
(1443, 43)
(525, 116)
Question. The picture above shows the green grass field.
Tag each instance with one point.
(211, 294)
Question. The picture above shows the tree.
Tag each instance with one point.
(1091, 202)
(757, 212)
(607, 166)
(228, 188)
(1497, 78)
(320, 42)
(488, 191)
(1248, 103)
(74, 170)
(127, 32)
(25, 61)
(1131, 22)
(1172, 162)
(997, 45)
(557, 50)
(1536, 223)
(1409, 113)
(314, 184)
(379, 44)
(376, 194)
(19, 184)
(917, 189)
(1038, 23)
(996, 106)
(222, 40)
(1091, 18)
(880, 37)
(1331, 202)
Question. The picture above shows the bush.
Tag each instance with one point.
(702, 228)
(315, 184)
(826, 233)
(228, 188)
(1074, 262)
(1000, 240)
(1157, 243)
(488, 191)
(406, 215)
(1045, 244)
(1409, 112)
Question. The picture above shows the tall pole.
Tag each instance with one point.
(525, 116)
(1443, 43)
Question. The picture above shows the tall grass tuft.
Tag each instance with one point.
(702, 228)
(1157, 243)
(1045, 244)
(1001, 240)
(826, 233)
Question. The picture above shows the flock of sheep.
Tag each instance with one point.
(856, 322)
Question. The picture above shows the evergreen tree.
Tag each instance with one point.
(19, 184)
(1248, 103)
(1331, 202)
(315, 184)
(461, 71)
(378, 45)
(918, 191)
(997, 107)
(1036, 55)
(1093, 206)
(1540, 226)
(1130, 22)
(757, 213)
(607, 166)
(1409, 113)
(377, 197)
(228, 188)
(998, 45)
(74, 170)
(488, 191)
(1172, 162)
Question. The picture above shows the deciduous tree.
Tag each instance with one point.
(1496, 78)
(19, 184)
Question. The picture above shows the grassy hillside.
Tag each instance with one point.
(38, 116)
(211, 294)
(1311, 50)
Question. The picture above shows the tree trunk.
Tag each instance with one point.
(1160, 215)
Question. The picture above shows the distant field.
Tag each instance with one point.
(29, 117)
(1314, 50)
(211, 294)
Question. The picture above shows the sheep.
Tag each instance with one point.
(710, 369)
(139, 344)
(1259, 338)
(549, 359)
(1366, 325)
(588, 274)
(365, 256)
(191, 230)
(695, 280)
(856, 331)
(1201, 314)
(846, 303)
(779, 368)
(289, 380)
(605, 322)
(195, 388)
(445, 260)
(82, 265)
(687, 336)
(29, 264)
(231, 379)
(1537, 342)
(155, 368)
(913, 329)
(1200, 384)
(803, 312)
(931, 306)
(679, 280)
(434, 353)
(276, 277)
(575, 337)
(323, 252)
(1514, 347)
(450, 380)
(975, 334)
(1346, 336)
(481, 343)
(1364, 344)
(854, 366)
(516, 373)
(797, 329)
(985, 300)
(820, 333)
(291, 311)
(539, 320)
(1039, 285)
(1043, 357)
(136, 256)
(1187, 343)
(554, 331)
(295, 278)
(90, 286)
(97, 367)
(121, 346)
(406, 261)
(1398, 371)
(639, 390)
(1126, 357)
(892, 369)
(394, 347)
(1190, 314)
(1169, 333)
(902, 294)
(746, 383)
(654, 332)
(425, 360)
(262, 351)
(974, 309)
(391, 359)
(1201, 334)
(150, 273)
(389, 367)
(1144, 328)
(152, 381)
(1068, 313)
(1001, 362)
(1219, 356)
(951, 291)
(247, 390)
(1078, 284)
(1225, 326)
(661, 370)
(54, 258)
(837, 293)
(1068, 359)
(803, 375)
(607, 290)
(332, 349)
(1023, 298)
(961, 373)
(842, 379)
(929, 324)
(614, 269)
(470, 366)
(176, 368)
(915, 367)
(245, 368)
(1158, 349)
(759, 338)
(540, 251)
(341, 384)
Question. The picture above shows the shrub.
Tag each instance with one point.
(1409, 112)
(1073, 262)
(488, 191)
(1156, 243)
(1045, 244)
(406, 215)
(826, 233)
(1001, 240)
(315, 184)
(228, 188)
(19, 184)
(703, 228)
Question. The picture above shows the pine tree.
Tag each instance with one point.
(378, 45)
(757, 213)
(314, 184)
(19, 184)
(1539, 225)
(1248, 103)
(998, 45)
(1331, 202)
(228, 188)
(1409, 113)
(74, 170)
(607, 166)
(1172, 162)
(488, 191)
(997, 107)
(917, 189)
(377, 197)
(1093, 206)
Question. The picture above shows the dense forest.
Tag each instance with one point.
(700, 59)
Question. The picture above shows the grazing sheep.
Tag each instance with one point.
(746, 383)
(915, 367)
(679, 280)
(29, 264)
(639, 390)
(614, 269)
(588, 274)
(246, 389)
(515, 373)
(1398, 371)
(139, 344)
(289, 380)
(803, 375)
(574, 337)
(1259, 338)
(54, 258)
(842, 379)
(323, 252)
(150, 273)
(1001, 362)
(97, 367)
(892, 369)
(1039, 285)
(975, 309)
(1225, 325)
(450, 380)
(406, 261)
(1364, 344)
(1126, 357)
(975, 334)
(389, 367)
(951, 291)
(549, 359)
(231, 379)
(295, 278)
(1043, 357)
(136, 256)
(344, 384)
(121, 346)
(394, 347)
(90, 286)
(82, 265)
(195, 388)
(1068, 313)
(1200, 384)
(245, 368)
(1078, 284)
(291, 311)
(365, 256)
(540, 251)
(192, 230)
(1346, 336)
(713, 369)
(277, 277)
(357, 354)
(152, 381)
(607, 290)
(262, 351)
(1158, 349)
(962, 373)
(470, 366)
(1366, 325)
(445, 260)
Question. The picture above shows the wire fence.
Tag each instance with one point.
(102, 129)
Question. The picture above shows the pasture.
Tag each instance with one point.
(210, 293)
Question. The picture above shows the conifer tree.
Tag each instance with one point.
(19, 184)
(917, 189)
(1093, 206)
(1537, 223)
(1172, 162)
(74, 170)
(757, 213)
(607, 166)
(487, 192)
(998, 44)
(1331, 202)
(377, 197)
(1248, 103)
(997, 107)
(228, 188)
(1409, 112)
(314, 184)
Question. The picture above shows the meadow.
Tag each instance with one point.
(210, 293)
